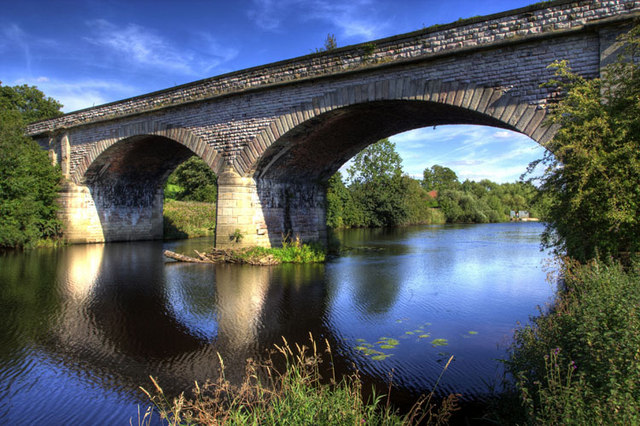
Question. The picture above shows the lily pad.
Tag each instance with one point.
(408, 332)
(424, 336)
(393, 342)
(360, 340)
(387, 347)
(380, 357)
(439, 342)
(473, 332)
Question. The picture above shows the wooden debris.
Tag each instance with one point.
(223, 256)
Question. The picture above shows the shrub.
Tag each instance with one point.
(580, 362)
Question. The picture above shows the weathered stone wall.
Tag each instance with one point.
(264, 213)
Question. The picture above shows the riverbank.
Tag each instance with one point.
(579, 363)
(299, 393)
(188, 219)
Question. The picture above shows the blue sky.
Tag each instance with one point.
(86, 53)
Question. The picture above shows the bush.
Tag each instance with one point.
(580, 363)
(192, 180)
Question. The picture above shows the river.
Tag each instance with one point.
(84, 326)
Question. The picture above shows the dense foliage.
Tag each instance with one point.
(28, 182)
(29, 102)
(580, 363)
(379, 195)
(591, 180)
(193, 180)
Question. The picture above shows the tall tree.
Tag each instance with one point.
(29, 102)
(28, 182)
(591, 180)
(439, 178)
(377, 184)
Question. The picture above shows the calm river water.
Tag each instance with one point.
(84, 326)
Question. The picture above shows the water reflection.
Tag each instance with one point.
(85, 326)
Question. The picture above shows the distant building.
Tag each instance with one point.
(519, 215)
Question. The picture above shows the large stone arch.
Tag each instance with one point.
(473, 104)
(274, 187)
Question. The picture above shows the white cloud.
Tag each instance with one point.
(143, 47)
(14, 37)
(473, 152)
(353, 19)
(80, 94)
(503, 134)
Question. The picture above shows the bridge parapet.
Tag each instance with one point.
(545, 19)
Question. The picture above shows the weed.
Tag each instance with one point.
(297, 394)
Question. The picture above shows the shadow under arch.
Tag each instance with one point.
(125, 182)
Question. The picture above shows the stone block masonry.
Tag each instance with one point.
(275, 133)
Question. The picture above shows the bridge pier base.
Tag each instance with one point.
(89, 215)
(254, 212)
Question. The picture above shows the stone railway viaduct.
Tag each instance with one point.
(275, 133)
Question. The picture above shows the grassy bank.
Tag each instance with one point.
(188, 219)
(580, 363)
(295, 395)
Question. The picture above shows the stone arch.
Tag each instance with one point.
(129, 131)
(495, 105)
(116, 192)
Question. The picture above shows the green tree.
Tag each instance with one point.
(28, 183)
(377, 185)
(29, 102)
(591, 179)
(439, 178)
(196, 181)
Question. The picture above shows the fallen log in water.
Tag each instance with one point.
(183, 258)
(223, 256)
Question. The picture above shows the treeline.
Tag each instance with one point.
(28, 182)
(379, 194)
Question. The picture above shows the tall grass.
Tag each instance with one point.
(188, 219)
(297, 395)
(580, 363)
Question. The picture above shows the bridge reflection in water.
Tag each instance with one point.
(84, 326)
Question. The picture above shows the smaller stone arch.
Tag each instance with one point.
(115, 193)
(495, 103)
(148, 128)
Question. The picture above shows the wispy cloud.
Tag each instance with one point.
(353, 19)
(75, 95)
(14, 37)
(473, 152)
(143, 47)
